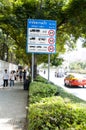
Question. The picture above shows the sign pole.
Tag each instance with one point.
(41, 38)
(32, 65)
(48, 67)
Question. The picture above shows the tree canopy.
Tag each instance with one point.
(69, 14)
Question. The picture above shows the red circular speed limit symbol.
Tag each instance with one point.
(51, 32)
(51, 48)
(51, 40)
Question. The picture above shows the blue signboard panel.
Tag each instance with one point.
(41, 36)
(42, 24)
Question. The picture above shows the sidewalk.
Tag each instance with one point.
(13, 103)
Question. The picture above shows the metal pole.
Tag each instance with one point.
(48, 67)
(32, 65)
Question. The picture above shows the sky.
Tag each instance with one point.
(77, 55)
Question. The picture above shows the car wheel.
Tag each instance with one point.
(65, 84)
(83, 86)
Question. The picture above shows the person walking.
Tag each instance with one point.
(27, 83)
(5, 78)
(20, 75)
(12, 78)
(17, 75)
(24, 75)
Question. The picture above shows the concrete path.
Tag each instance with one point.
(13, 103)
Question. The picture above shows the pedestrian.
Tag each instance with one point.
(5, 78)
(24, 75)
(44, 71)
(12, 78)
(27, 83)
(20, 75)
(17, 75)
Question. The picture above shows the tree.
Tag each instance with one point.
(69, 14)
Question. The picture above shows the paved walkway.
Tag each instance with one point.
(13, 103)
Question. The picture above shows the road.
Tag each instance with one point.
(79, 92)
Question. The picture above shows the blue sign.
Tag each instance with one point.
(41, 36)
(42, 24)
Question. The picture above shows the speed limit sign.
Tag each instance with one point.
(51, 40)
(51, 32)
(51, 48)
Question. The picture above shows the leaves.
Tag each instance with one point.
(70, 16)
(49, 112)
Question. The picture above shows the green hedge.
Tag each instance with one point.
(40, 90)
(49, 112)
(55, 113)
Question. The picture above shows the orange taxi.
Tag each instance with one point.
(71, 80)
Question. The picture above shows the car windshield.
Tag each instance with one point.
(71, 76)
(78, 76)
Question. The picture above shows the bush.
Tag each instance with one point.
(40, 90)
(41, 79)
(49, 112)
(54, 113)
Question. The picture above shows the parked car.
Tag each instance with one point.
(59, 73)
(72, 80)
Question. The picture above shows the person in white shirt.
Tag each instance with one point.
(5, 78)
(12, 78)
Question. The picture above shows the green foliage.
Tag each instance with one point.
(14, 15)
(55, 113)
(78, 66)
(41, 87)
(71, 9)
(56, 61)
(40, 90)
(40, 79)
(49, 112)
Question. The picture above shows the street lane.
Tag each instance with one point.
(79, 91)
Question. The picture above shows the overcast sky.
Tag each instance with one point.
(79, 54)
(76, 55)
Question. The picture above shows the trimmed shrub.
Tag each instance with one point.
(52, 108)
(54, 113)
(41, 79)
(40, 90)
